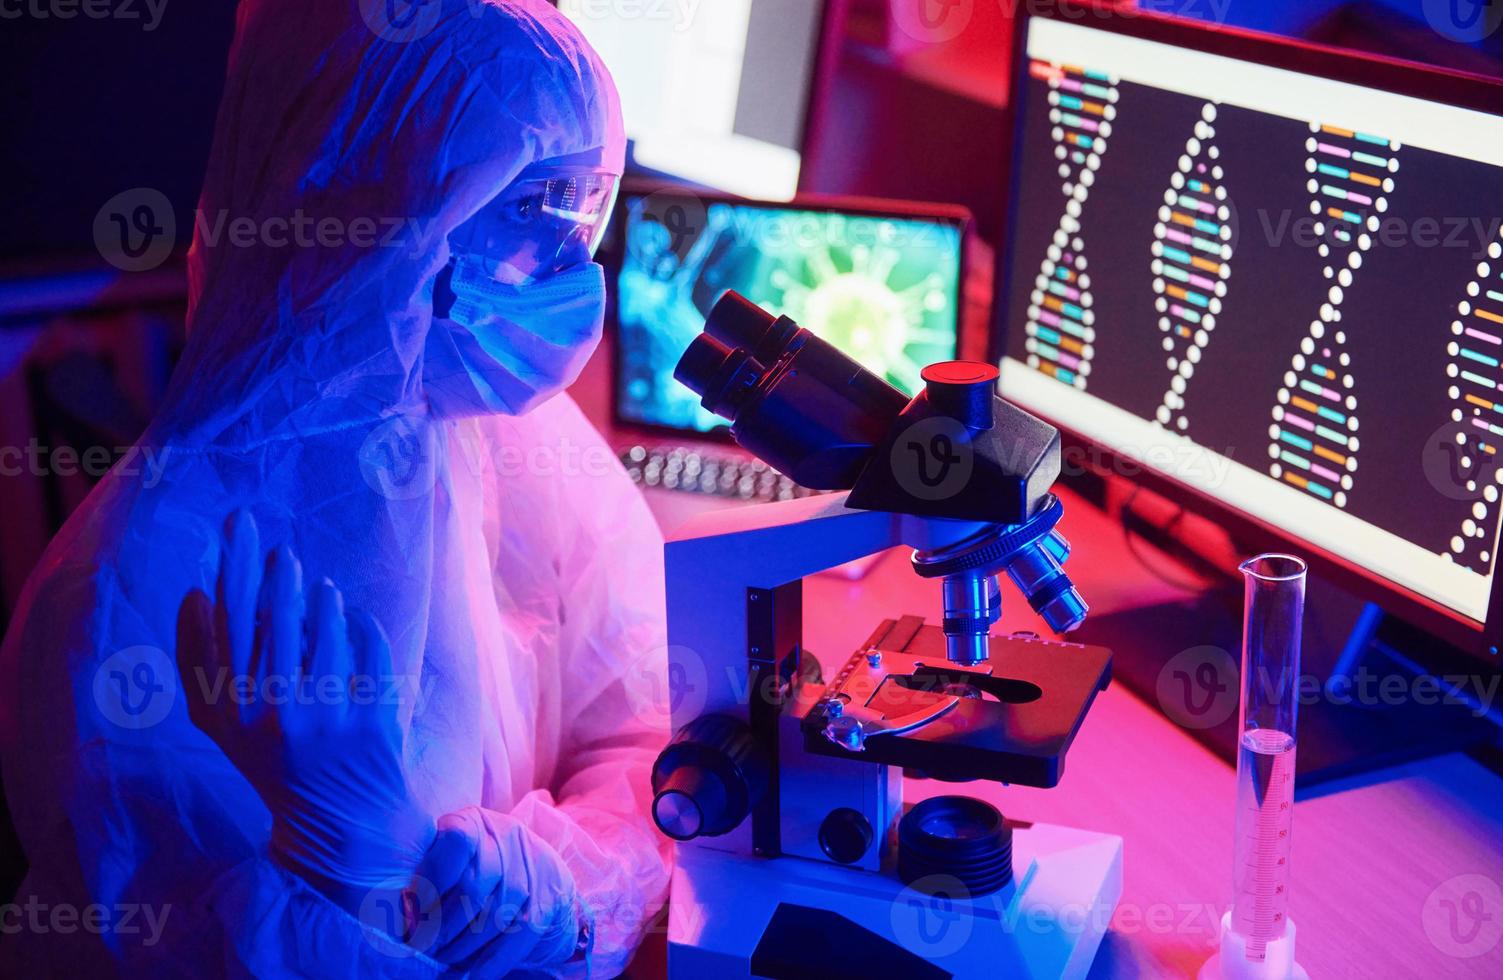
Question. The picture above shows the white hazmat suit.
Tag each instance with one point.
(511, 563)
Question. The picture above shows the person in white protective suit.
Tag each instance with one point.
(415, 521)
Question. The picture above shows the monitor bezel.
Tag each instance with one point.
(950, 214)
(824, 55)
(1470, 91)
(818, 99)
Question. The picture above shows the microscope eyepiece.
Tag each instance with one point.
(797, 402)
(723, 378)
(738, 322)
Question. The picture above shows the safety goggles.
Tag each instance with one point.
(540, 227)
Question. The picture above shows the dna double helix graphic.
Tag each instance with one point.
(1313, 439)
(1061, 324)
(1475, 370)
(1192, 252)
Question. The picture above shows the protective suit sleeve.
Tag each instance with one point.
(613, 716)
(276, 925)
(140, 819)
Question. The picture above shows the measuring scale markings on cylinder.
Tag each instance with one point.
(1474, 351)
(1313, 438)
(1265, 812)
(1192, 251)
(1061, 324)
(1257, 934)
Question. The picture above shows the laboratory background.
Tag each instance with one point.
(751, 488)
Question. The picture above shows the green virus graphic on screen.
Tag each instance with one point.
(883, 289)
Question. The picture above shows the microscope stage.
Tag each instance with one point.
(1013, 722)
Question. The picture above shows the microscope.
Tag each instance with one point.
(796, 854)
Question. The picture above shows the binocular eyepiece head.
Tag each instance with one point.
(810, 411)
(794, 400)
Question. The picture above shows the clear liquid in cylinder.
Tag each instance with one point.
(1265, 812)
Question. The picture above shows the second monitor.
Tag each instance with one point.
(720, 94)
(880, 280)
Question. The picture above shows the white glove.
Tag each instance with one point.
(314, 738)
(496, 897)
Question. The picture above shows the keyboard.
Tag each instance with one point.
(694, 470)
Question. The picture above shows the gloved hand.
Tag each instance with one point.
(497, 897)
(316, 738)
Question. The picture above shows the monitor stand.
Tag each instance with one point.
(1364, 702)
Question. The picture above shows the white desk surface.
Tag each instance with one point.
(1381, 870)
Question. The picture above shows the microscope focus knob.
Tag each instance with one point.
(845, 835)
(963, 390)
(708, 778)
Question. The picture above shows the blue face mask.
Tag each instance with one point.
(523, 344)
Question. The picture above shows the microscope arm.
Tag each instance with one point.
(790, 539)
(715, 560)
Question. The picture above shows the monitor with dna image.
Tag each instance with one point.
(1281, 289)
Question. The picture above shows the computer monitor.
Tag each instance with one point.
(881, 280)
(715, 93)
(1272, 275)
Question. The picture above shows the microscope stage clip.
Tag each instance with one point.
(852, 718)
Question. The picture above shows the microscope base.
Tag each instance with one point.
(734, 916)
